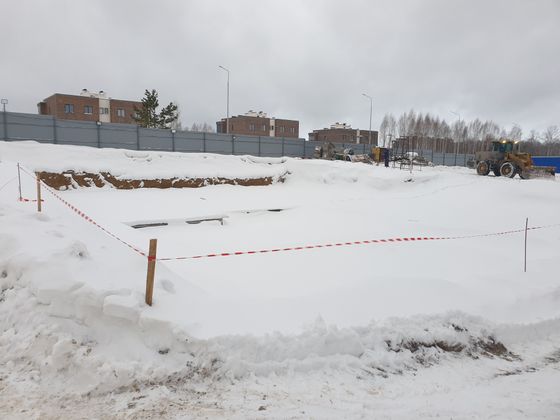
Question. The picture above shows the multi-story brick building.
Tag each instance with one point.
(259, 124)
(344, 133)
(89, 106)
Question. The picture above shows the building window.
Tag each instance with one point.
(281, 128)
(88, 109)
(272, 127)
(68, 109)
(120, 112)
(103, 110)
(251, 127)
(293, 130)
(264, 127)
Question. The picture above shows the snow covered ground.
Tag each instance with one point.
(378, 330)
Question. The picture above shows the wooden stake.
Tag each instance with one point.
(38, 194)
(19, 181)
(151, 271)
(526, 227)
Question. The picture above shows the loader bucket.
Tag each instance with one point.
(539, 172)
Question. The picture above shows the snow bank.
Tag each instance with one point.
(127, 164)
(73, 318)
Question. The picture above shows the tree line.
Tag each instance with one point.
(429, 132)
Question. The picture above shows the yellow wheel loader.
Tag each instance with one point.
(505, 159)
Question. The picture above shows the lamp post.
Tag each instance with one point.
(227, 102)
(370, 113)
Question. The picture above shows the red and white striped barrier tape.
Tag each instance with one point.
(29, 200)
(84, 216)
(340, 244)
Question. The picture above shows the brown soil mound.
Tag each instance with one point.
(73, 179)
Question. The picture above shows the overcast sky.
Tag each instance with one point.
(306, 60)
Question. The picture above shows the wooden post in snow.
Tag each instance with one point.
(151, 271)
(38, 194)
(19, 181)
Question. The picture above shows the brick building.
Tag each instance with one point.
(343, 133)
(259, 124)
(89, 106)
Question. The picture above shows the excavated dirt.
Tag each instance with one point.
(73, 179)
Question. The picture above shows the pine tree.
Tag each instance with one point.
(148, 117)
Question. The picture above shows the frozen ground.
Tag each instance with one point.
(341, 332)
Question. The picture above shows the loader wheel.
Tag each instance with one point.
(483, 168)
(507, 169)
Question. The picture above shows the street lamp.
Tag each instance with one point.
(4, 102)
(370, 113)
(227, 106)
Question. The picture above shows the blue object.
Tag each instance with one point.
(547, 161)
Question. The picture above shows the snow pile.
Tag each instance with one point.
(73, 322)
(128, 164)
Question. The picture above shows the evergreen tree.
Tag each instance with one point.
(147, 116)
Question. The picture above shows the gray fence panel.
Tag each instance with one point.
(271, 147)
(293, 148)
(186, 141)
(118, 136)
(29, 127)
(219, 143)
(154, 139)
(247, 145)
(77, 133)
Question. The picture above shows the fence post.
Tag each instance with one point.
(98, 123)
(38, 194)
(5, 124)
(232, 144)
(55, 140)
(137, 137)
(282, 146)
(151, 271)
(259, 145)
(204, 142)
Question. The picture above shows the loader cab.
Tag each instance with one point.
(504, 146)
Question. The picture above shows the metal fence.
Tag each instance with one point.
(47, 129)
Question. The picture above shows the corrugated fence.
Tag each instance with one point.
(47, 129)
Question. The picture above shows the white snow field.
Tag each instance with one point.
(449, 328)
